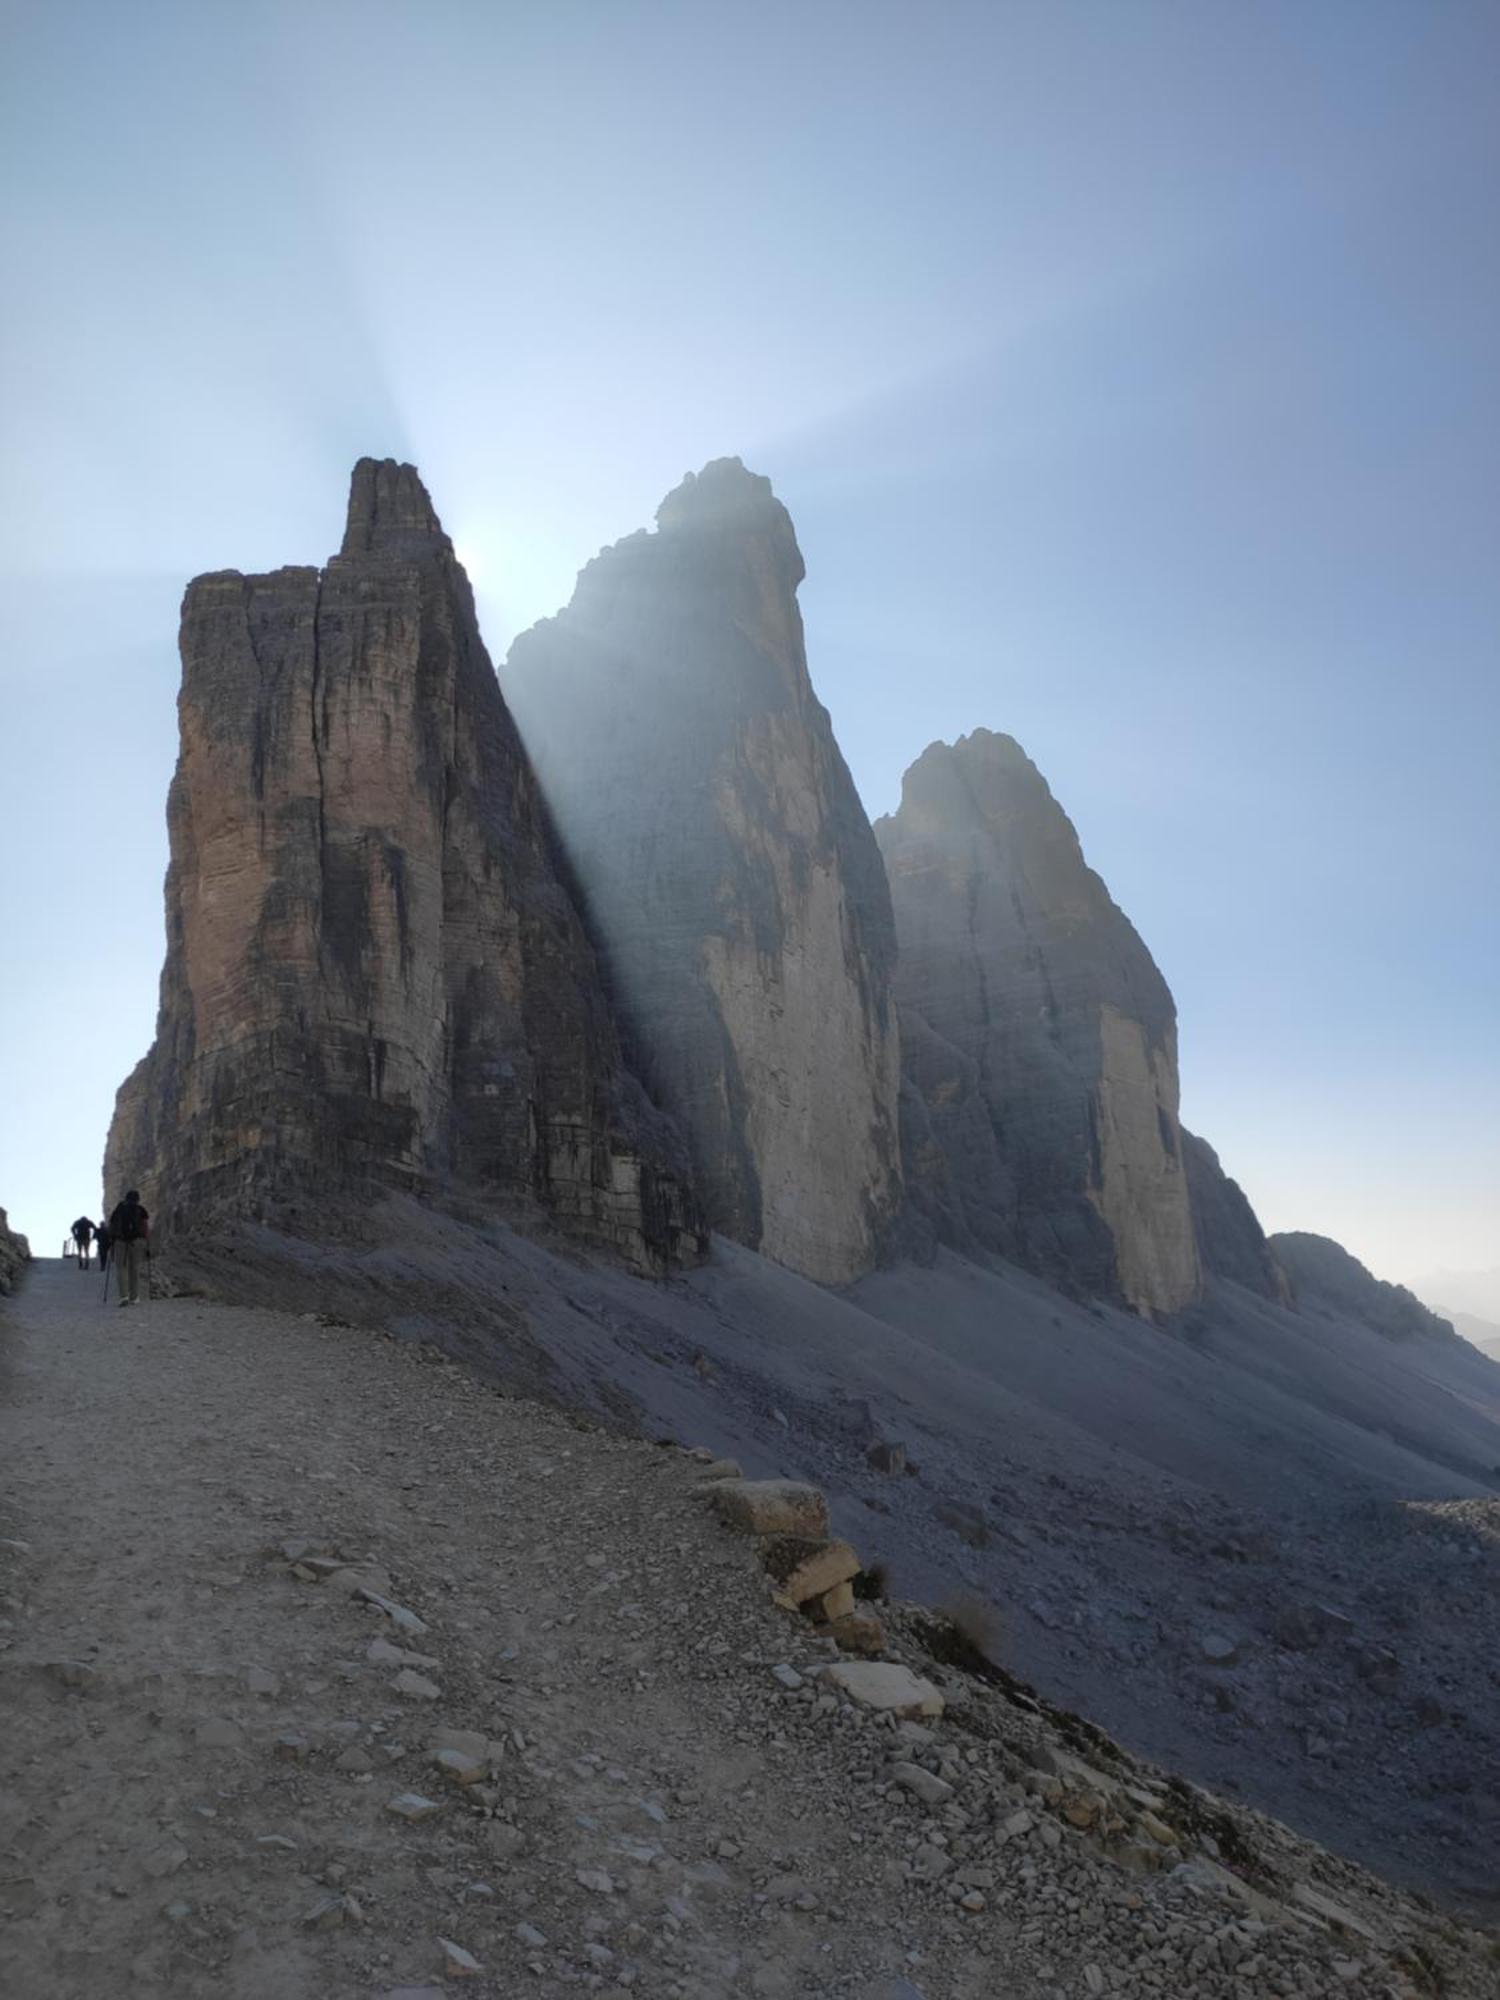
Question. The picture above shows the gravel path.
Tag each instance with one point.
(208, 1729)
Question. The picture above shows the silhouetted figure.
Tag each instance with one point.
(101, 1242)
(129, 1242)
(83, 1232)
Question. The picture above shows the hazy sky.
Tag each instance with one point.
(1129, 371)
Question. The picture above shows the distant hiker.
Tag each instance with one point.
(101, 1242)
(83, 1231)
(129, 1240)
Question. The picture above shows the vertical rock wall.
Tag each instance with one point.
(728, 869)
(375, 973)
(1231, 1242)
(1040, 1119)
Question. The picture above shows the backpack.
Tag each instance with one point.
(126, 1225)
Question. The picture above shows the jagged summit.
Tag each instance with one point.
(390, 513)
(726, 498)
(1324, 1273)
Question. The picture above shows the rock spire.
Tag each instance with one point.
(1040, 1112)
(730, 874)
(375, 973)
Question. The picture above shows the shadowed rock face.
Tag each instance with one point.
(14, 1251)
(1231, 1242)
(729, 871)
(375, 973)
(1323, 1273)
(1040, 1112)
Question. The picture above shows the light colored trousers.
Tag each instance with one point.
(128, 1258)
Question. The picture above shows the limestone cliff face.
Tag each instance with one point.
(375, 973)
(1040, 1118)
(1231, 1242)
(14, 1252)
(1322, 1273)
(729, 871)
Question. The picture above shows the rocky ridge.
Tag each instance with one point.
(730, 875)
(375, 972)
(1323, 1273)
(1040, 1118)
(14, 1251)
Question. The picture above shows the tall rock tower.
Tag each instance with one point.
(375, 974)
(728, 870)
(1040, 1116)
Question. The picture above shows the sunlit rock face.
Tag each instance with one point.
(375, 974)
(1231, 1242)
(728, 870)
(1324, 1274)
(1040, 1113)
(14, 1251)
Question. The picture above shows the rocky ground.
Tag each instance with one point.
(332, 1671)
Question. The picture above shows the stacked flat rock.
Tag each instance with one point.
(1040, 1044)
(375, 973)
(730, 874)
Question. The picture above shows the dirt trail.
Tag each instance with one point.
(159, 1835)
(206, 1727)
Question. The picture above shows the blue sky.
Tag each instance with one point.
(1129, 371)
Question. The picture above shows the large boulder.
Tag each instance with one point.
(376, 974)
(728, 869)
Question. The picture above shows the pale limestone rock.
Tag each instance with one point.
(885, 1686)
(1040, 1111)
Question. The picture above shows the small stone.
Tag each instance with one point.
(1157, 1830)
(259, 1682)
(357, 1762)
(1093, 1979)
(276, 1840)
(788, 1677)
(72, 1673)
(530, 1936)
(972, 1901)
(929, 1863)
(461, 1769)
(381, 1653)
(1218, 1651)
(931, 1790)
(177, 1913)
(885, 1687)
(804, 1569)
(596, 1880)
(861, 1632)
(164, 1860)
(886, 1456)
(721, 1468)
(327, 1914)
(412, 1806)
(467, 1742)
(771, 1507)
(416, 1687)
(837, 1603)
(1017, 1824)
(290, 1749)
(458, 1963)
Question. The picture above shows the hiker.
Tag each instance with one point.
(101, 1242)
(129, 1240)
(83, 1231)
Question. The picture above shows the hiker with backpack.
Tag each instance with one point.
(83, 1231)
(129, 1242)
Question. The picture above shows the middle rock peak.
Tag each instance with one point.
(727, 868)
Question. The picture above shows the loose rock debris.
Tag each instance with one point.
(638, 1774)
